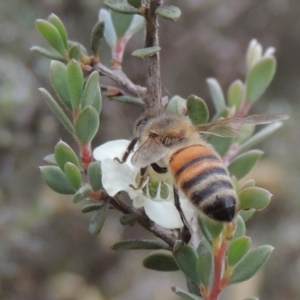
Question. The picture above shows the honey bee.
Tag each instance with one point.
(172, 142)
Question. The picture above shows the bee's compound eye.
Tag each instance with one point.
(153, 135)
(223, 209)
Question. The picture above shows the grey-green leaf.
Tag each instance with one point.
(205, 268)
(254, 197)
(121, 6)
(145, 52)
(82, 194)
(186, 259)
(58, 74)
(87, 125)
(60, 27)
(58, 111)
(56, 179)
(64, 153)
(184, 294)
(247, 214)
(95, 175)
(243, 164)
(140, 244)
(259, 78)
(238, 249)
(169, 12)
(135, 3)
(75, 52)
(197, 110)
(160, 262)
(90, 90)
(216, 94)
(130, 219)
(91, 207)
(210, 228)
(73, 175)
(235, 94)
(96, 36)
(98, 219)
(48, 53)
(240, 229)
(75, 82)
(250, 264)
(174, 105)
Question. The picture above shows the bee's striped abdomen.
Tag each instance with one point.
(202, 177)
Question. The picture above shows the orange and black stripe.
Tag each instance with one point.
(203, 179)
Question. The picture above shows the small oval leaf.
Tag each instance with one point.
(87, 125)
(235, 94)
(96, 36)
(94, 173)
(145, 52)
(184, 294)
(56, 179)
(51, 35)
(259, 78)
(186, 259)
(121, 6)
(75, 52)
(197, 110)
(135, 3)
(216, 94)
(90, 90)
(130, 219)
(240, 229)
(97, 103)
(238, 249)
(250, 264)
(82, 193)
(160, 262)
(56, 21)
(247, 214)
(254, 197)
(75, 82)
(174, 105)
(91, 207)
(98, 219)
(169, 12)
(210, 228)
(73, 174)
(205, 268)
(48, 53)
(240, 166)
(140, 244)
(64, 153)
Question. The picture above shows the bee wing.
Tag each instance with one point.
(230, 127)
(149, 152)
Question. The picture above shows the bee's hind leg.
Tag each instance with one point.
(142, 179)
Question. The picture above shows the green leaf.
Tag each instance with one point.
(145, 52)
(250, 264)
(128, 99)
(91, 207)
(97, 103)
(96, 36)
(235, 94)
(73, 174)
(95, 175)
(87, 125)
(82, 194)
(203, 246)
(175, 104)
(254, 197)
(50, 159)
(220, 144)
(238, 249)
(75, 82)
(48, 53)
(193, 288)
(140, 244)
(56, 179)
(248, 183)
(64, 153)
(197, 110)
(75, 52)
(210, 228)
(186, 259)
(90, 90)
(247, 214)
(121, 6)
(240, 166)
(259, 78)
(251, 298)
(135, 3)
(184, 294)
(121, 23)
(130, 219)
(240, 229)
(169, 12)
(58, 74)
(260, 136)
(109, 30)
(53, 19)
(57, 110)
(51, 35)
(160, 262)
(216, 94)
(98, 219)
(205, 268)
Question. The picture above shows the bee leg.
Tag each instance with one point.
(186, 233)
(158, 169)
(127, 152)
(142, 179)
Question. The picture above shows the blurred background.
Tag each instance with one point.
(46, 251)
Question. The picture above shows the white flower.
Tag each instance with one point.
(118, 177)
